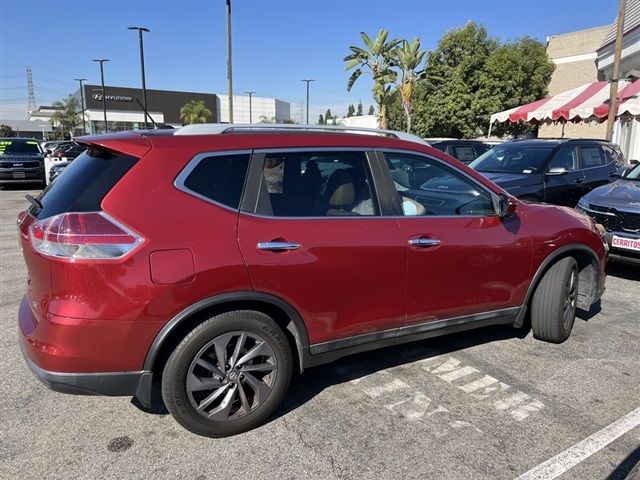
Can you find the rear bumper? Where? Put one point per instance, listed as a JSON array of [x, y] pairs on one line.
[[41, 357]]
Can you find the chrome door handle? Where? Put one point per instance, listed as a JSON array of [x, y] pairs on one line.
[[277, 246], [424, 242]]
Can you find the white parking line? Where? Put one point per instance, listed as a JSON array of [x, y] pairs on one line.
[[556, 466]]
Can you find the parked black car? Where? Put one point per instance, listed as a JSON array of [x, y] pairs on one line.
[[552, 171], [464, 150], [617, 207], [21, 161]]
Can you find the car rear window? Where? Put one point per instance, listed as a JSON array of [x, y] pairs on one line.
[[82, 186]]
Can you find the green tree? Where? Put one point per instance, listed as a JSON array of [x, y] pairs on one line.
[[194, 111], [66, 117], [328, 117], [6, 131], [378, 59], [351, 111], [320, 120], [515, 74], [407, 57], [371, 110], [359, 109]]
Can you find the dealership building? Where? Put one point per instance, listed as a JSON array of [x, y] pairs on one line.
[[125, 111]]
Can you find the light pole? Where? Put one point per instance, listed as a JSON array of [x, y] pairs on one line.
[[307, 80], [144, 85], [229, 73], [250, 93], [84, 123], [104, 93]]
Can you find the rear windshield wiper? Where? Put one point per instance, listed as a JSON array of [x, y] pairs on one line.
[[33, 201]]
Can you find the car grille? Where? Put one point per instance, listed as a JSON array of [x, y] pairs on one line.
[[622, 221], [30, 164]]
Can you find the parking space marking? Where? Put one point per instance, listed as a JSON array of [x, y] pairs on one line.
[[556, 466], [519, 404], [392, 386]]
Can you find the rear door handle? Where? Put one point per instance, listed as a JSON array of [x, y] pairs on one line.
[[424, 242], [278, 246]]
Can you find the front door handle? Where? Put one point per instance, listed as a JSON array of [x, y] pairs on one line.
[[424, 242], [278, 246]]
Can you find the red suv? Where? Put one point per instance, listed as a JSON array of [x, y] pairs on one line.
[[218, 259]]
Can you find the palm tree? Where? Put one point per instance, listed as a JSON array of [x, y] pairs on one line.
[[194, 111], [407, 57], [66, 117], [378, 58]]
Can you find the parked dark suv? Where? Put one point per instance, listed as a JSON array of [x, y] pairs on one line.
[[21, 161], [464, 150], [617, 207], [220, 258], [552, 171]]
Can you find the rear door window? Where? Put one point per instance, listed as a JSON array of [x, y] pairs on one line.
[[565, 157], [316, 184], [592, 157]]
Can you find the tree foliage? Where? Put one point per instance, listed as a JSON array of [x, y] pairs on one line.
[[468, 77], [195, 111], [378, 59], [372, 110], [6, 131], [407, 57], [351, 111], [66, 117], [359, 109], [320, 120]]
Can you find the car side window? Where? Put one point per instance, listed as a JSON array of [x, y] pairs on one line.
[[218, 177], [612, 155], [316, 184], [464, 153], [592, 157], [565, 157], [426, 187]]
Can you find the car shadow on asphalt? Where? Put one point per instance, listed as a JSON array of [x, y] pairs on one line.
[[623, 270], [305, 387], [627, 465]]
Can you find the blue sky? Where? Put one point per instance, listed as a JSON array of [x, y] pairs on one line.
[[275, 42]]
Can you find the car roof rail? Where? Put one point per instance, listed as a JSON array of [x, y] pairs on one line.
[[222, 128]]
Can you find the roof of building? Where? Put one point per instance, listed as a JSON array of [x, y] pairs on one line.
[[27, 125], [631, 22]]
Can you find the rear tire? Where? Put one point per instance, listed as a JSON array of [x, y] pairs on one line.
[[228, 375], [553, 307]]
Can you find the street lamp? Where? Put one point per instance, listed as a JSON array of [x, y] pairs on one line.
[[250, 93], [104, 93], [229, 63], [308, 80], [144, 86], [84, 123]]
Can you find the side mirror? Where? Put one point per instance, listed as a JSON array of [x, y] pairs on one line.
[[633, 161], [507, 205], [48, 151], [557, 171], [615, 175]]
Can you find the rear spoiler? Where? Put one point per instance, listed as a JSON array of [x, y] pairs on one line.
[[128, 143]]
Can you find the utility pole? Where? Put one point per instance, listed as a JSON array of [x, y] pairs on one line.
[[229, 69], [613, 93], [307, 80], [144, 84], [104, 93], [250, 93], [84, 122]]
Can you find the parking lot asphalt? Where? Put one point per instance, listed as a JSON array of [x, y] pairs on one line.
[[488, 404]]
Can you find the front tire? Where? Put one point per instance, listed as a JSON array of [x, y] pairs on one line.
[[553, 307], [228, 375]]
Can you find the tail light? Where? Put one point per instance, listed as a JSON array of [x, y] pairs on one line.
[[83, 236]]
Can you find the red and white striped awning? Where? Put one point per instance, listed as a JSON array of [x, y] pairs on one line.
[[588, 102]]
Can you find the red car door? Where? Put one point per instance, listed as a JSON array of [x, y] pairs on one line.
[[462, 259], [315, 239]]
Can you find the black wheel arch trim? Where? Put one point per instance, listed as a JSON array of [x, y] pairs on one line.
[[552, 257], [296, 326]]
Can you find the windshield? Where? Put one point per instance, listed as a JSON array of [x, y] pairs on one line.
[[19, 147], [512, 159], [633, 174]]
